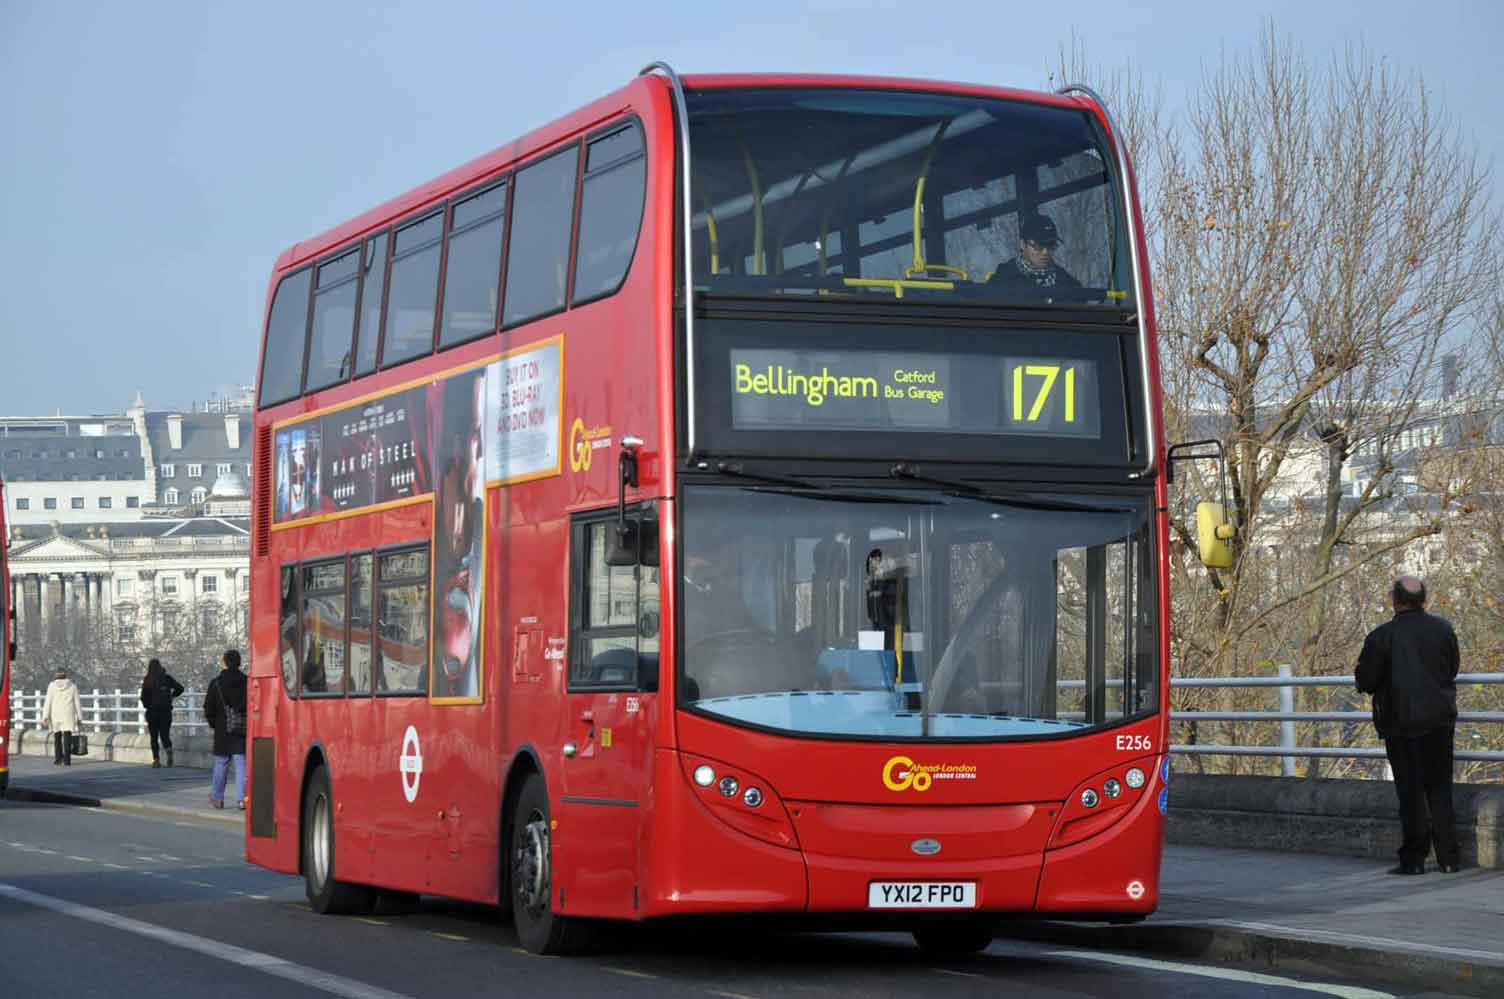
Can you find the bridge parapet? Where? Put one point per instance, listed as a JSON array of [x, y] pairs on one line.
[[1352, 818]]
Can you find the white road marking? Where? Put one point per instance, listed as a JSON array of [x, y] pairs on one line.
[[1226, 974], [81, 860], [266, 963], [958, 974], [1367, 942], [630, 973]]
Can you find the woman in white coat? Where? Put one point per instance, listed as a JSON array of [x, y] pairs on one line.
[[61, 712]]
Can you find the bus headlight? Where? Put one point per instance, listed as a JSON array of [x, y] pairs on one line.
[[704, 775], [1112, 788], [729, 786], [1135, 778], [1089, 798], [752, 796]]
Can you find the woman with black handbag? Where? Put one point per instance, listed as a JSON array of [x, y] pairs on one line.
[[157, 691], [62, 712]]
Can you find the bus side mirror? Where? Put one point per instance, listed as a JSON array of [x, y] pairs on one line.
[[632, 542], [1214, 536]]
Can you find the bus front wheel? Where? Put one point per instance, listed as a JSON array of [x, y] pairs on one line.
[[325, 894], [539, 928]]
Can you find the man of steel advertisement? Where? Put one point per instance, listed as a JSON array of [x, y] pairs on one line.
[[458, 407], [354, 458]]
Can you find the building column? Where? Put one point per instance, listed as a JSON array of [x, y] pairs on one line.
[[69, 588], [17, 598]]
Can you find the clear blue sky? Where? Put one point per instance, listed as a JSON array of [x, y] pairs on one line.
[[155, 157]]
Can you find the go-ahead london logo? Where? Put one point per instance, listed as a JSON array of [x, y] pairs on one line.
[[903, 774]]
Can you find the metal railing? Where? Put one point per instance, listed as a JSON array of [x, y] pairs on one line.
[[1288, 749], [120, 710], [1287, 716], [110, 711]]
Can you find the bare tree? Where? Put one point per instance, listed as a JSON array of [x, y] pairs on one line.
[[1321, 237]]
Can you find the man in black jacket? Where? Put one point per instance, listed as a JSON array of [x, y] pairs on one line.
[[224, 710], [1409, 665]]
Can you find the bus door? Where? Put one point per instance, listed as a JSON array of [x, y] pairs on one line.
[[613, 677]]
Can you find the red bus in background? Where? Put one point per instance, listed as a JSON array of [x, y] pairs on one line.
[[7, 646], [841, 591]]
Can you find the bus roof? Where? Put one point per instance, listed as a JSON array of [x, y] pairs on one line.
[[634, 93]]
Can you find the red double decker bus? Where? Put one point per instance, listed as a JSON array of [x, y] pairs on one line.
[[7, 647], [745, 494]]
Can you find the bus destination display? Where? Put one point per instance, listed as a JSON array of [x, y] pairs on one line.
[[774, 389]]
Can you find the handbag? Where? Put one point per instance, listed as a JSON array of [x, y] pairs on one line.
[[78, 744]]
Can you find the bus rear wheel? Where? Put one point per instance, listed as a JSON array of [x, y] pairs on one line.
[[539, 929], [951, 940], [325, 894]]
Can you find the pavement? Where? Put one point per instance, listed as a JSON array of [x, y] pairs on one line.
[[1263, 909], [171, 792]]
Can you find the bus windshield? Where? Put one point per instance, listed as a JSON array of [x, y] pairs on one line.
[[904, 195], [913, 614]]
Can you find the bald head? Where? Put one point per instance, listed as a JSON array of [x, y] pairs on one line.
[[1409, 593]]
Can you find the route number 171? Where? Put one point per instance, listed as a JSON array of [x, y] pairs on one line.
[[1048, 374]]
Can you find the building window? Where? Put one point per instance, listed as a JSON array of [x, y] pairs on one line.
[[132, 502], [125, 624], [209, 583], [248, 469], [106, 503], [170, 497], [99, 452], [198, 495], [49, 503], [195, 471], [70, 453], [169, 586], [22, 503], [168, 471], [76, 502], [223, 468], [122, 453], [245, 582], [125, 587]]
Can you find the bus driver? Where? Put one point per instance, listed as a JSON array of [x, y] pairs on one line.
[[1033, 275]]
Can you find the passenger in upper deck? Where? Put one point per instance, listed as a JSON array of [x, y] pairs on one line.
[[1033, 275]]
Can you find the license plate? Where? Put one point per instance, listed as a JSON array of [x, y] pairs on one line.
[[922, 895]]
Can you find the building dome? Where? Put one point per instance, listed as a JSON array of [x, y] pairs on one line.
[[230, 486]]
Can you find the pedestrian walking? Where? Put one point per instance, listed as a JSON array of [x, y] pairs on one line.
[[61, 712], [224, 709], [158, 689], [1409, 665]]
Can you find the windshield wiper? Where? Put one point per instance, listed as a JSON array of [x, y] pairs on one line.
[[970, 490], [815, 492], [736, 469]]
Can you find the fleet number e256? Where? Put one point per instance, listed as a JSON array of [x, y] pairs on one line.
[[1135, 743]]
